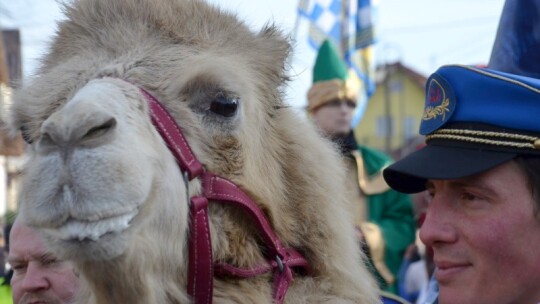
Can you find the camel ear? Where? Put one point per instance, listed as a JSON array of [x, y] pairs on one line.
[[276, 50]]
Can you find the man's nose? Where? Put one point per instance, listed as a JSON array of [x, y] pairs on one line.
[[437, 227], [35, 278]]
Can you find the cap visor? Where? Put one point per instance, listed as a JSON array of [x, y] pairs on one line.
[[409, 175]]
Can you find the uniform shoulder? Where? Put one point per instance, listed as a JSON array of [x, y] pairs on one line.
[[388, 298]]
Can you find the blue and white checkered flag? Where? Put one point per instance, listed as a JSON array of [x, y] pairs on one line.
[[325, 20], [350, 27]]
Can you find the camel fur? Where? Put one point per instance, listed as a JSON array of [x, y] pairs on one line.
[[103, 189]]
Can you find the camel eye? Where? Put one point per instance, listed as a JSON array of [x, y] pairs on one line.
[[224, 106]]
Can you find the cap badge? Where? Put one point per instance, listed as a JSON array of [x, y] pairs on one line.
[[439, 106], [437, 100]]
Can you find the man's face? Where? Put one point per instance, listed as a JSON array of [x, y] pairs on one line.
[[39, 277], [485, 238], [334, 118]]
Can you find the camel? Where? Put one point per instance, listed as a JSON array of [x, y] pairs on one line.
[[106, 190]]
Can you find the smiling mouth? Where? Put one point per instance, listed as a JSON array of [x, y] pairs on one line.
[[447, 272], [80, 230]]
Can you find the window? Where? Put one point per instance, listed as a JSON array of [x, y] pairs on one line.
[[385, 126], [409, 127]]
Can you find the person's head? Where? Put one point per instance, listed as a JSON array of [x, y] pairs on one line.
[[332, 97], [481, 166], [38, 276]]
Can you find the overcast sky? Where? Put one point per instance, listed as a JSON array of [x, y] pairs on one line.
[[423, 34]]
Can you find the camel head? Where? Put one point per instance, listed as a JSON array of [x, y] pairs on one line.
[[93, 170], [98, 169], [104, 190]]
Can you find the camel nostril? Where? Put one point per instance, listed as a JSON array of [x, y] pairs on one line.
[[50, 135], [100, 130], [26, 135]]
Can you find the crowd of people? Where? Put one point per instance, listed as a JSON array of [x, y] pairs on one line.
[[478, 181], [477, 178], [474, 184], [457, 221]]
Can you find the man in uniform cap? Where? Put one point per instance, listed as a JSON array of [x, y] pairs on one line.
[[481, 166], [384, 217]]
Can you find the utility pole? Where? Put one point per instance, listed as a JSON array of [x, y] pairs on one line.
[[387, 110]]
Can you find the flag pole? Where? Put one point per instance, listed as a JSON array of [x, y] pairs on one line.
[[298, 16], [344, 27]]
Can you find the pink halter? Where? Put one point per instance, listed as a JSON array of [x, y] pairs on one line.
[[202, 268]]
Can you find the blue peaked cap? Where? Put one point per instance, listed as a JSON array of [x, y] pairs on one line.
[[474, 119], [468, 94]]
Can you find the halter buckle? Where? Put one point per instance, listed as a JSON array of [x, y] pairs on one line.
[[279, 264]]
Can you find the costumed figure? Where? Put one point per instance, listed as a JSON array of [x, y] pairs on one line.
[[383, 217]]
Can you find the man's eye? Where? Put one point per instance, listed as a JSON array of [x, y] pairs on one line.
[[18, 268], [468, 196], [428, 195], [49, 262], [335, 103]]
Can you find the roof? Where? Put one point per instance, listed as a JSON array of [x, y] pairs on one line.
[[417, 78]]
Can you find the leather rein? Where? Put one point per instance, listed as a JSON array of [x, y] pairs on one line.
[[201, 267]]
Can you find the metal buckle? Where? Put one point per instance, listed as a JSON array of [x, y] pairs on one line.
[[279, 264], [186, 184]]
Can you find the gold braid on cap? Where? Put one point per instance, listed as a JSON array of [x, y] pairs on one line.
[[481, 137], [323, 92]]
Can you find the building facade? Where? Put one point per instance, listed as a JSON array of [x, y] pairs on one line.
[[392, 116]]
